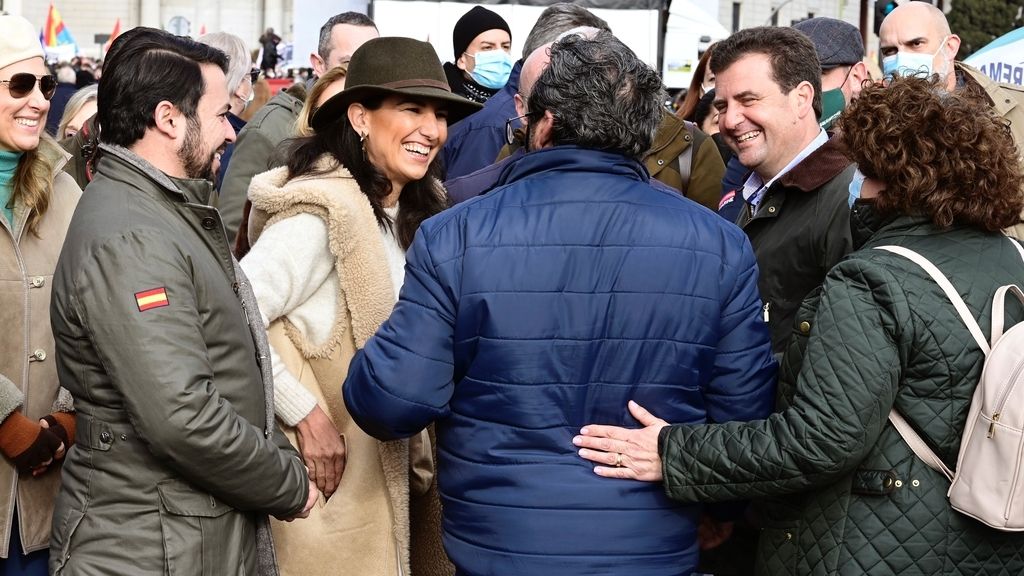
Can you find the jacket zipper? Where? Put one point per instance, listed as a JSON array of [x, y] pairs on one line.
[[765, 310], [1003, 395]]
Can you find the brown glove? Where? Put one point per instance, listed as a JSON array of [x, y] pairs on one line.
[[26, 443], [63, 425]]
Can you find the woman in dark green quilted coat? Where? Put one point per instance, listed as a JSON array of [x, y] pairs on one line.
[[841, 492]]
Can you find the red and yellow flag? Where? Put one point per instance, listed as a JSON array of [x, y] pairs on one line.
[[54, 31], [149, 299]]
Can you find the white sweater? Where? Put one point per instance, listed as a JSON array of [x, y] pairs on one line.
[[292, 272]]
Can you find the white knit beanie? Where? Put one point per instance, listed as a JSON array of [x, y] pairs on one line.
[[19, 40]]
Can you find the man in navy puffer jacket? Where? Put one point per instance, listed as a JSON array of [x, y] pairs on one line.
[[570, 288]]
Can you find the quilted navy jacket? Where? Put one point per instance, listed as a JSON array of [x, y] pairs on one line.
[[571, 288]]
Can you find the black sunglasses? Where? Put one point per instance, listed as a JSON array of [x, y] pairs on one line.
[[22, 84], [254, 75]]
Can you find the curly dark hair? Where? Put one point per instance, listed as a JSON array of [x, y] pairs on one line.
[[942, 154]]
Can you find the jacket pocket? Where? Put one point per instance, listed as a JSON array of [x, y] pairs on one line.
[[777, 551], [202, 535], [60, 542]]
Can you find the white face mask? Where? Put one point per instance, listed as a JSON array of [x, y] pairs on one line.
[[914, 63]]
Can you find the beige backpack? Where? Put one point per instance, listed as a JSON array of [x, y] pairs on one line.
[[988, 484]]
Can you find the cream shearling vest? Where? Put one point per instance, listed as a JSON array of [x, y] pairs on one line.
[[364, 299]]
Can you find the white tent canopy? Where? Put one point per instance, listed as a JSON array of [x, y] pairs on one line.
[[687, 24], [1003, 58]]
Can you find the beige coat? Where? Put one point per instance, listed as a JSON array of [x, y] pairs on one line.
[[365, 526], [27, 262], [1008, 101]]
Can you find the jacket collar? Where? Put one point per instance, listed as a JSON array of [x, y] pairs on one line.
[[512, 86], [192, 190], [54, 154], [817, 169], [571, 159], [999, 95], [671, 129], [285, 100], [236, 122], [867, 225]]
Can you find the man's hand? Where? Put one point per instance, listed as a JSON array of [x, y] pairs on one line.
[[311, 499], [322, 449], [712, 533]]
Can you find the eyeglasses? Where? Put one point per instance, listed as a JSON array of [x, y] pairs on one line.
[[21, 85], [254, 75], [510, 134]]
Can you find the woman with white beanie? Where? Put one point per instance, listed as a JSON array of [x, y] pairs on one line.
[[37, 200]]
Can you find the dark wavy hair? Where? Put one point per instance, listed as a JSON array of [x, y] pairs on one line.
[[942, 154], [144, 67], [601, 95], [791, 53], [420, 199]]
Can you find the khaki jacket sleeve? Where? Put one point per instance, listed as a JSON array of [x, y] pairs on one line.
[[252, 155], [157, 362]]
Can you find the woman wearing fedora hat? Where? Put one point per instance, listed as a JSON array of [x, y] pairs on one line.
[[36, 203], [329, 233]]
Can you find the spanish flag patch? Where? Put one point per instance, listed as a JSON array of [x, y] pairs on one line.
[[149, 299]]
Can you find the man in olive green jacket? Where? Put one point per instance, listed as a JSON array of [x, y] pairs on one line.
[[177, 460], [256, 152]]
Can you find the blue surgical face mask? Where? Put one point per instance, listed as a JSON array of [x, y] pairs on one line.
[[492, 68], [855, 186], [914, 63]]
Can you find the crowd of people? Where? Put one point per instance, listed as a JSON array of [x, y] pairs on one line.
[[504, 315]]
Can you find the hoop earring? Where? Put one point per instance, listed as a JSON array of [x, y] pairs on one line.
[[362, 144]]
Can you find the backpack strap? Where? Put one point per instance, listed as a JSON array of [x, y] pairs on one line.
[[999, 301], [999, 309], [947, 287], [1017, 245], [918, 445], [685, 159], [911, 437]]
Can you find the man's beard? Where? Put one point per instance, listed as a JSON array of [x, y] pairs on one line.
[[191, 153], [531, 128]]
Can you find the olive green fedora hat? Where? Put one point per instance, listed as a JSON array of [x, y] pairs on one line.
[[389, 66]]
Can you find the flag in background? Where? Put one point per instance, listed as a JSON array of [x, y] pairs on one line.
[[113, 36], [55, 33]]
